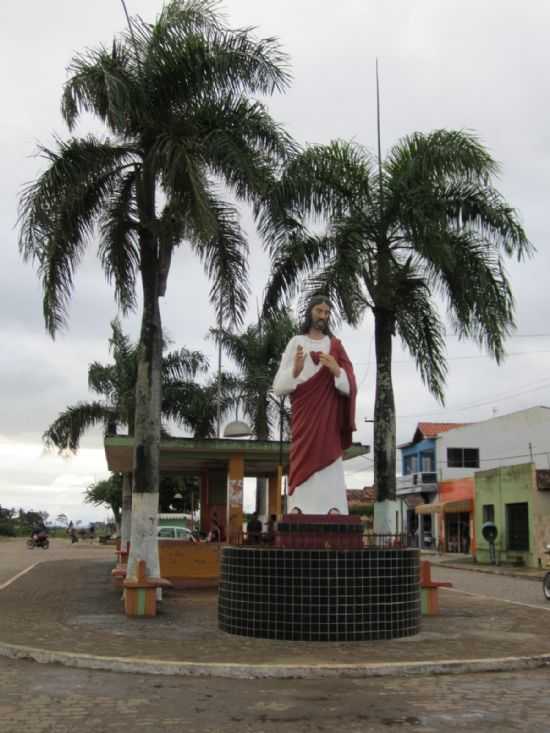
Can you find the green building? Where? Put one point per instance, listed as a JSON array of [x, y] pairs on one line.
[[517, 500]]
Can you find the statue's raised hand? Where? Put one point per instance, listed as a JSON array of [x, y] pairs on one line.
[[299, 357]]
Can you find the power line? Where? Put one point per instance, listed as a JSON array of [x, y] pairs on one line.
[[468, 357], [499, 397]]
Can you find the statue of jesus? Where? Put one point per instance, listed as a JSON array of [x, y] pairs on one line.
[[317, 373]]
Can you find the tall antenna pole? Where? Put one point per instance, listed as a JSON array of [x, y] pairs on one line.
[[128, 20], [378, 131]]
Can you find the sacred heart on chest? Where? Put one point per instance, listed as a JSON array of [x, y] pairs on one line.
[[315, 356]]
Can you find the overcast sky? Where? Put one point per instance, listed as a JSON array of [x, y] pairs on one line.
[[465, 64]]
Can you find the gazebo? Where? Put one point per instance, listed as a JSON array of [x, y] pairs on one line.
[[221, 464]]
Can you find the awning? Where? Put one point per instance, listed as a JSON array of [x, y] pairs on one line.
[[446, 507]]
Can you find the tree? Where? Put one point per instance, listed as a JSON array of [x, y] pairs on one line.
[[109, 492], [7, 522], [257, 353], [426, 223], [116, 383], [174, 96]]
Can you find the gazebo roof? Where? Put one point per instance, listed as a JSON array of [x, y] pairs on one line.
[[193, 455]]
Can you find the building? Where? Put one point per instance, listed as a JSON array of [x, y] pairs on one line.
[[453, 515], [461, 453], [417, 486], [359, 498], [504, 440], [517, 500]]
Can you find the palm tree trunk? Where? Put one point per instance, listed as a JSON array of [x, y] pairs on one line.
[[261, 430], [384, 407], [126, 511], [145, 498]]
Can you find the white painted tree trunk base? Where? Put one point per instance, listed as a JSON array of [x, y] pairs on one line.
[[387, 517], [143, 539]]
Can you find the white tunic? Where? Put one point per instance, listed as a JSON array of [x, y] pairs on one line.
[[326, 488]]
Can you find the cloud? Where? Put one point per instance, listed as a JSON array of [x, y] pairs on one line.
[[458, 65]]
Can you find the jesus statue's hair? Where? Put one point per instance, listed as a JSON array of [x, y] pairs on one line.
[[307, 320]]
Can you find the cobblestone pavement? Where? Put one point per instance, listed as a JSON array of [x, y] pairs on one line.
[[71, 606], [51, 699], [517, 589]]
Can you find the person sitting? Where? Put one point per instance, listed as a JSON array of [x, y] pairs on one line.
[[215, 534], [271, 526], [253, 530]]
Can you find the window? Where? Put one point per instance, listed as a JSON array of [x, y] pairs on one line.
[[463, 457], [427, 460], [517, 523], [410, 465], [488, 513], [166, 533]]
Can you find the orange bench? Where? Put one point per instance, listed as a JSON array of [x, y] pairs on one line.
[[429, 596]]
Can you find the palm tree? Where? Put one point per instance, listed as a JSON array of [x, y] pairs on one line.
[[174, 96], [257, 353], [195, 406], [424, 224], [116, 384]]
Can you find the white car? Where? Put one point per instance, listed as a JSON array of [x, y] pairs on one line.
[[174, 533]]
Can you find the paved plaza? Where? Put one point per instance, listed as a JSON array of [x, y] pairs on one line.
[[65, 604]]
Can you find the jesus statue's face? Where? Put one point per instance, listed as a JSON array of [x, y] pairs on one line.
[[319, 316]]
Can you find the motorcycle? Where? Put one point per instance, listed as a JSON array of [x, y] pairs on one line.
[[546, 579], [38, 540]]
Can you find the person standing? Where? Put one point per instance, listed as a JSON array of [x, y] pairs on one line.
[[318, 374]]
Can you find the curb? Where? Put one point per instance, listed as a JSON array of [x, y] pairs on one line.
[[135, 665], [470, 569]]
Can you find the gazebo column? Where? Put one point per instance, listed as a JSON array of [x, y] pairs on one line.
[[235, 486], [205, 509], [275, 501]]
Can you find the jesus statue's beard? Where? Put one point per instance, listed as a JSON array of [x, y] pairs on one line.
[[321, 325]]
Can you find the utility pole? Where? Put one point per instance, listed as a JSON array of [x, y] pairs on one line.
[[219, 406]]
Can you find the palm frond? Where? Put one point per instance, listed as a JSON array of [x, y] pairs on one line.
[[225, 259], [188, 52], [328, 180], [481, 304], [105, 83], [102, 379], [118, 246], [421, 330], [300, 257], [439, 154], [241, 143], [58, 211], [324, 183], [482, 209], [184, 178], [183, 364], [67, 429]]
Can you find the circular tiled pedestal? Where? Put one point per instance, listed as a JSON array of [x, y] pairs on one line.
[[320, 595]]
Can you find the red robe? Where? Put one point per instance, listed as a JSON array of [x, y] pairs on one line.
[[323, 420]]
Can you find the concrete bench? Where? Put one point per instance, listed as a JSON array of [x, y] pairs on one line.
[[429, 595], [140, 593]]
